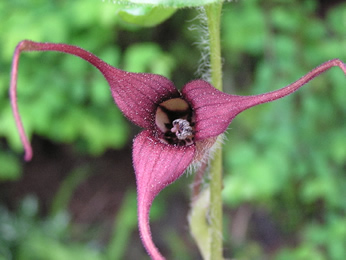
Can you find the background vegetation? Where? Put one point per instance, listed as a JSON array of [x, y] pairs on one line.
[[285, 162]]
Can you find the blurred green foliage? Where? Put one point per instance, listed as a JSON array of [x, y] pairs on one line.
[[287, 158], [26, 236], [75, 105], [168, 3]]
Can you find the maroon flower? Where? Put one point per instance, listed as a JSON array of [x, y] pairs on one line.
[[180, 127]]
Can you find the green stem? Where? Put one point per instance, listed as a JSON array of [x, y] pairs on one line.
[[213, 13], [216, 206]]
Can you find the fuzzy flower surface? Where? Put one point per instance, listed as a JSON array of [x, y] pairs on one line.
[[179, 126]]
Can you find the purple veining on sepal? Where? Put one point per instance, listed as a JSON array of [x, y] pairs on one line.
[[180, 127], [215, 110], [156, 165]]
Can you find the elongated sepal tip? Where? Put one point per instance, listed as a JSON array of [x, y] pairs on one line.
[[28, 155]]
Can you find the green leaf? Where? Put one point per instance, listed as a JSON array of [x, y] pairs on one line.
[[125, 224], [145, 16], [148, 57], [169, 3], [198, 222]]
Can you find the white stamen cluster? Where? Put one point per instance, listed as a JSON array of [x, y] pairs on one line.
[[182, 129]]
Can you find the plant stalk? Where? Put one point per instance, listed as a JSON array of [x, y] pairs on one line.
[[213, 13]]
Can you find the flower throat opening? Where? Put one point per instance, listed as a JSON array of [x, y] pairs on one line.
[[174, 118]]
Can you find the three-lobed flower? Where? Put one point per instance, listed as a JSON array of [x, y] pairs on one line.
[[179, 126]]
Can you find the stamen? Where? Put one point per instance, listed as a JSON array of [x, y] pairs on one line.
[[175, 122], [182, 129]]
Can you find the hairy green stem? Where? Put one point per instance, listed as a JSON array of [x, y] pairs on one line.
[[213, 13]]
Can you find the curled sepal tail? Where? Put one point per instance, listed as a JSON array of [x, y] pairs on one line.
[[157, 165]]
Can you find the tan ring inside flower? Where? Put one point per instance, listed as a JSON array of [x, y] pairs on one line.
[[175, 121]]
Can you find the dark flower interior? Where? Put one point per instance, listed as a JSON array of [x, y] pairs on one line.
[[175, 122]]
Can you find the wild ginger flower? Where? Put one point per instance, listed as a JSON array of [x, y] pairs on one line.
[[179, 126]]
